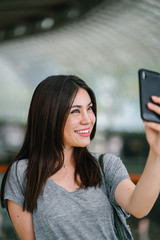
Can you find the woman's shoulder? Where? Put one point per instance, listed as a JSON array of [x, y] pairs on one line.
[[20, 164], [107, 157], [110, 161], [15, 185], [113, 166], [18, 167]]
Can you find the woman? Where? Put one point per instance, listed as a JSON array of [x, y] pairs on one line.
[[55, 188]]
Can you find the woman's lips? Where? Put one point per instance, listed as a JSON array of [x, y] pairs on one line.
[[84, 132]]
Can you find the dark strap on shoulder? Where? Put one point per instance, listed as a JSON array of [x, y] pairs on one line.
[[100, 159]]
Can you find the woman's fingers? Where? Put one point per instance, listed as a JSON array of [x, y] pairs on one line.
[[153, 125], [154, 108], [155, 99]]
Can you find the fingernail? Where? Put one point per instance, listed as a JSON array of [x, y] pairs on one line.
[[151, 105], [154, 97]]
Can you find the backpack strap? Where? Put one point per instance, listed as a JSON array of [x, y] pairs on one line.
[[100, 159]]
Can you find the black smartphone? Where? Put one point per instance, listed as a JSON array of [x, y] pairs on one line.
[[149, 85]]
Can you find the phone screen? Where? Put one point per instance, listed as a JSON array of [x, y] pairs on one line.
[[149, 83]]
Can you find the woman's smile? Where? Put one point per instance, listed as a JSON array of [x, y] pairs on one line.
[[84, 132]]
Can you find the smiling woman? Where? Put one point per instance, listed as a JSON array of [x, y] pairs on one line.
[[55, 181]]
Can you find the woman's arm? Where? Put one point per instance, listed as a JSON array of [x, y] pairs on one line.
[[22, 221], [139, 199]]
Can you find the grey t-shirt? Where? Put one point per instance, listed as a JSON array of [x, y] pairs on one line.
[[62, 215]]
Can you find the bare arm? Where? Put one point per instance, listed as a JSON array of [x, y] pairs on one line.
[[22, 221], [139, 200]]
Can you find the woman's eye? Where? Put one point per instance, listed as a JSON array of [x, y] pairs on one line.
[[75, 111], [90, 108]]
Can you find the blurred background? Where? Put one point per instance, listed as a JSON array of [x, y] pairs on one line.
[[105, 42]]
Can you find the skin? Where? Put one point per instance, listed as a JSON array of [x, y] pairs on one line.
[[22, 221], [138, 199]]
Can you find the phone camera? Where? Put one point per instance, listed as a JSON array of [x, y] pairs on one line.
[[143, 75]]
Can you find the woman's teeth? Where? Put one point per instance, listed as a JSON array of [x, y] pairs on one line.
[[84, 131]]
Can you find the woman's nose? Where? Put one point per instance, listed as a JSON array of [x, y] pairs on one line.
[[85, 118]]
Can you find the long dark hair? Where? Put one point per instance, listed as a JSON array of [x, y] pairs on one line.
[[43, 143]]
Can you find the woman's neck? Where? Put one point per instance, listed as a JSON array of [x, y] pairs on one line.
[[68, 157]]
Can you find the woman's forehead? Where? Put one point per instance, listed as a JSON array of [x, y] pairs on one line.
[[82, 97]]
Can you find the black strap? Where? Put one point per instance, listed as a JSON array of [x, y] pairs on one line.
[[117, 220], [101, 162]]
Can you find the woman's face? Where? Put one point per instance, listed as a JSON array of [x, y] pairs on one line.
[[80, 121]]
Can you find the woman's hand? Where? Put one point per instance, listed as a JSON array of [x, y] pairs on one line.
[[152, 128]]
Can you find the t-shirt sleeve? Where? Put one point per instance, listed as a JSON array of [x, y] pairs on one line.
[[16, 183], [115, 172]]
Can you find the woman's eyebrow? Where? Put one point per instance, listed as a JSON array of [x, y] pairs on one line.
[[79, 106]]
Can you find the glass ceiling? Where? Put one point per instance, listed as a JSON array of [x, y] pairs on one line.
[[106, 47]]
